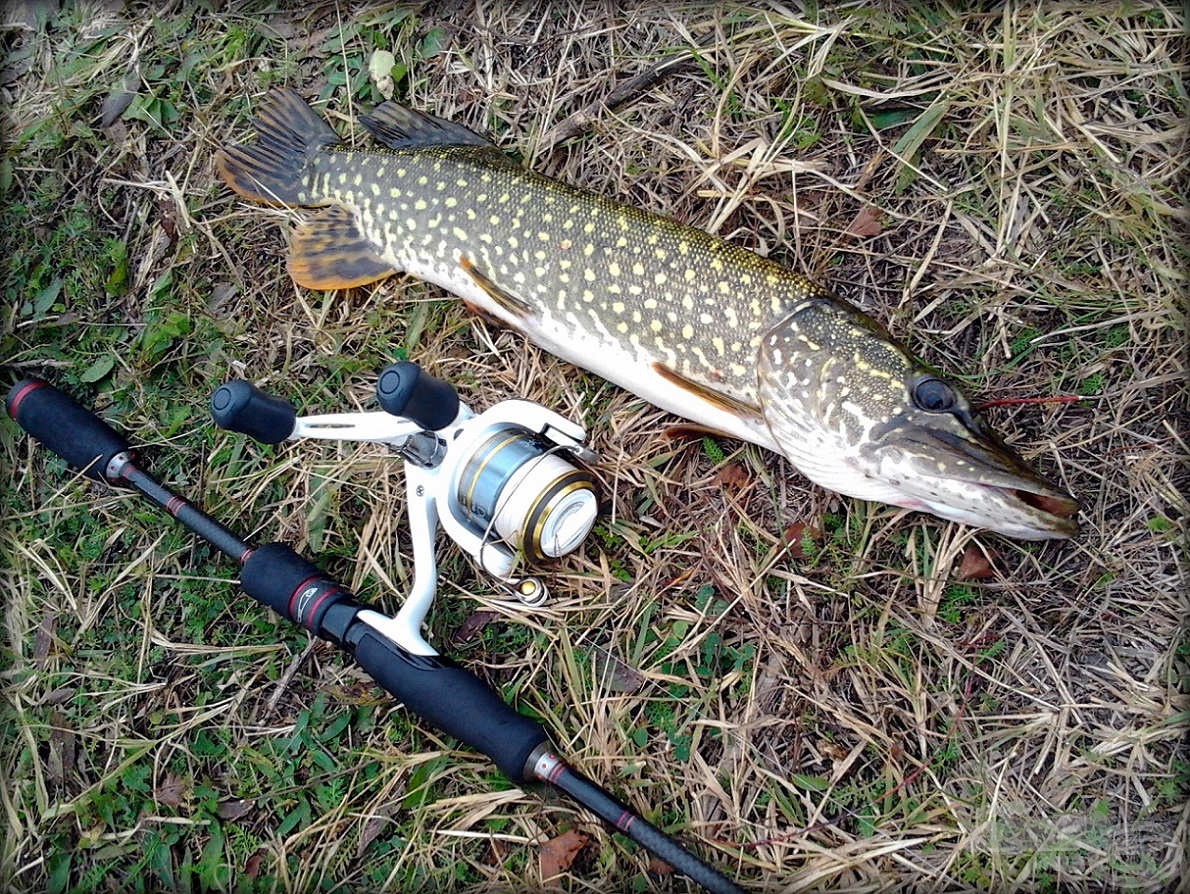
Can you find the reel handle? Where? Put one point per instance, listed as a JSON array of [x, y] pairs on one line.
[[241, 406], [405, 389], [67, 428]]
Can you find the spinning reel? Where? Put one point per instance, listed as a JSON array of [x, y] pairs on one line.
[[501, 483]]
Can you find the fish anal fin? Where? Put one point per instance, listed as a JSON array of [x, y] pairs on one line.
[[725, 402], [400, 127], [328, 251], [509, 302]]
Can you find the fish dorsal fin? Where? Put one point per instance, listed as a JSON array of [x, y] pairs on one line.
[[725, 402], [328, 251], [400, 127]]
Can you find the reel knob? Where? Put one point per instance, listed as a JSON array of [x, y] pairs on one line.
[[241, 406], [405, 389]]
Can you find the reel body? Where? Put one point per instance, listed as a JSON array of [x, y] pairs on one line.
[[505, 484]]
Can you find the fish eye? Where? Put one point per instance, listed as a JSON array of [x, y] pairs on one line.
[[933, 395]]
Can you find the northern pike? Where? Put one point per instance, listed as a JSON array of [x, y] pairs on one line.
[[697, 326]]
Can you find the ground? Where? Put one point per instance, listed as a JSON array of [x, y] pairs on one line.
[[815, 691]]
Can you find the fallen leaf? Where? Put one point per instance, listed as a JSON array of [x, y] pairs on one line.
[[115, 105], [832, 750], [975, 564], [557, 854], [474, 625], [252, 866], [234, 808], [373, 827], [866, 223], [172, 791], [61, 764], [44, 639], [732, 475], [497, 852], [657, 866], [617, 675], [801, 536]]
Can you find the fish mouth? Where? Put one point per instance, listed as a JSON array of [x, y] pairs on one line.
[[1010, 497], [1054, 515]]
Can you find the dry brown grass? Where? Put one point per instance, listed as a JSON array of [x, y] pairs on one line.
[[856, 717]]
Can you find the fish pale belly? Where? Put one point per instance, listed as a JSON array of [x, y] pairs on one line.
[[607, 357]]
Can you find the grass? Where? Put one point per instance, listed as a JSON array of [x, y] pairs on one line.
[[847, 715]]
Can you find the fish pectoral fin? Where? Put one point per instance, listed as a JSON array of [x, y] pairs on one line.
[[328, 251], [400, 127], [715, 398], [518, 307]]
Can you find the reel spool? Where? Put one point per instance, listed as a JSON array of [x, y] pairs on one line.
[[516, 486]]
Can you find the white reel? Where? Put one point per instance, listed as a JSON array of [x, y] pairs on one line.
[[502, 483]]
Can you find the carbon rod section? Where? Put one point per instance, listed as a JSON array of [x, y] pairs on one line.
[[627, 822], [186, 513]]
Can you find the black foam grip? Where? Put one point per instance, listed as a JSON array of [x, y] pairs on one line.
[[66, 427], [451, 698], [290, 585], [241, 406], [405, 389]]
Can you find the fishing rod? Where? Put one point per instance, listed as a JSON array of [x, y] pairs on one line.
[[439, 691]]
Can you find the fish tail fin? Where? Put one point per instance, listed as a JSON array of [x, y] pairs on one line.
[[270, 170]]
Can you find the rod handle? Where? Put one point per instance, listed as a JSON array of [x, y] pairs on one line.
[[241, 406], [66, 427], [452, 699], [405, 389]]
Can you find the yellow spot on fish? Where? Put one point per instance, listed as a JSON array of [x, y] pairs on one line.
[[687, 331], [451, 201], [622, 328], [638, 269], [459, 234], [460, 182], [543, 236], [621, 242], [656, 325], [589, 227], [613, 268], [394, 193], [419, 205], [660, 279], [618, 306]]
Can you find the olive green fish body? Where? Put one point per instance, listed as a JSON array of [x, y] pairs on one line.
[[695, 325]]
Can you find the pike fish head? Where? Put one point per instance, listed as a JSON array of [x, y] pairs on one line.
[[857, 413]]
